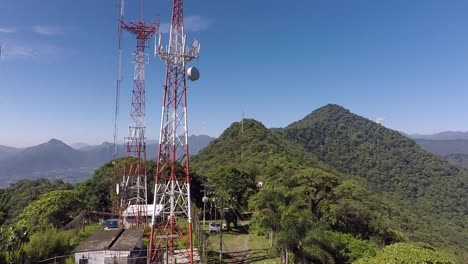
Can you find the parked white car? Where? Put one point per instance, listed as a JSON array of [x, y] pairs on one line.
[[214, 227]]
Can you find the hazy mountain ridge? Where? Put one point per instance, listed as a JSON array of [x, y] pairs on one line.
[[444, 147], [55, 159], [6, 151], [445, 135], [79, 145]]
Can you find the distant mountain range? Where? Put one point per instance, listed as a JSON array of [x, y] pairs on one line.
[[444, 147], [450, 145], [80, 145], [55, 159], [7, 151], [446, 135]]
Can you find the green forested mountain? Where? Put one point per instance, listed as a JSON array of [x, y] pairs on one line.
[[289, 170], [302, 198], [20, 194], [392, 164], [250, 146]]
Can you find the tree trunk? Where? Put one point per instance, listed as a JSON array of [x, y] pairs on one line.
[[270, 238]]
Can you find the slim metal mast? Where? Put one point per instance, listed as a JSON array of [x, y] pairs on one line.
[[116, 208], [134, 198], [171, 237], [119, 79]]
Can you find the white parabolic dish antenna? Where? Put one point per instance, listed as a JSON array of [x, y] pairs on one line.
[[193, 73]]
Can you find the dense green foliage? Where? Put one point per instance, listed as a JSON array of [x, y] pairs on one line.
[[48, 243], [460, 160], [319, 217], [20, 194], [430, 195], [337, 207], [265, 155], [55, 208], [231, 183], [317, 214], [408, 253]]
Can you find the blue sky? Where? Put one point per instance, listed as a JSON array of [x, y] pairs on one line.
[[405, 62]]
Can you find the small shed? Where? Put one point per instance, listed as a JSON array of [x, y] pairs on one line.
[[115, 246]]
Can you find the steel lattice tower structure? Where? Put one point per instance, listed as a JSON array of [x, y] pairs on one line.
[[134, 196], [169, 238]]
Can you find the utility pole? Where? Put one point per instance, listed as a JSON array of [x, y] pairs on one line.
[[221, 231], [204, 200]]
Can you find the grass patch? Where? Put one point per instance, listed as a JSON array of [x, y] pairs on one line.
[[239, 246]]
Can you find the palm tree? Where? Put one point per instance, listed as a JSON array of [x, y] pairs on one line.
[[18, 237]]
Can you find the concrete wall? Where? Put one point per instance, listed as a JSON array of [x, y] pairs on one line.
[[105, 256]]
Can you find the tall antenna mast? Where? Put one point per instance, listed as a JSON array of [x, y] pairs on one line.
[[134, 196], [119, 79], [172, 179]]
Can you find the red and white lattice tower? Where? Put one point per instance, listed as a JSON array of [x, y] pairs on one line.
[[134, 195], [171, 223]]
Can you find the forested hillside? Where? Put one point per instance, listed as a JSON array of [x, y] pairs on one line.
[[392, 164], [304, 199], [19, 195], [460, 160], [257, 150]]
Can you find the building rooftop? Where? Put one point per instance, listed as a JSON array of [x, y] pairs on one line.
[[128, 239], [116, 239], [141, 209]]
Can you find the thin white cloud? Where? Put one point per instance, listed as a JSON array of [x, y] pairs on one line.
[[191, 24], [15, 51], [47, 30], [7, 30], [21, 52], [380, 120], [196, 24]]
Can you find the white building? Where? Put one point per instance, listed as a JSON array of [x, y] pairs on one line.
[[133, 211]]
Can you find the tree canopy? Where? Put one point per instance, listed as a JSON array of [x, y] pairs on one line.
[[55, 208]]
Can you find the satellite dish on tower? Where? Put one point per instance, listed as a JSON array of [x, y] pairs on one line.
[[193, 73], [117, 189]]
